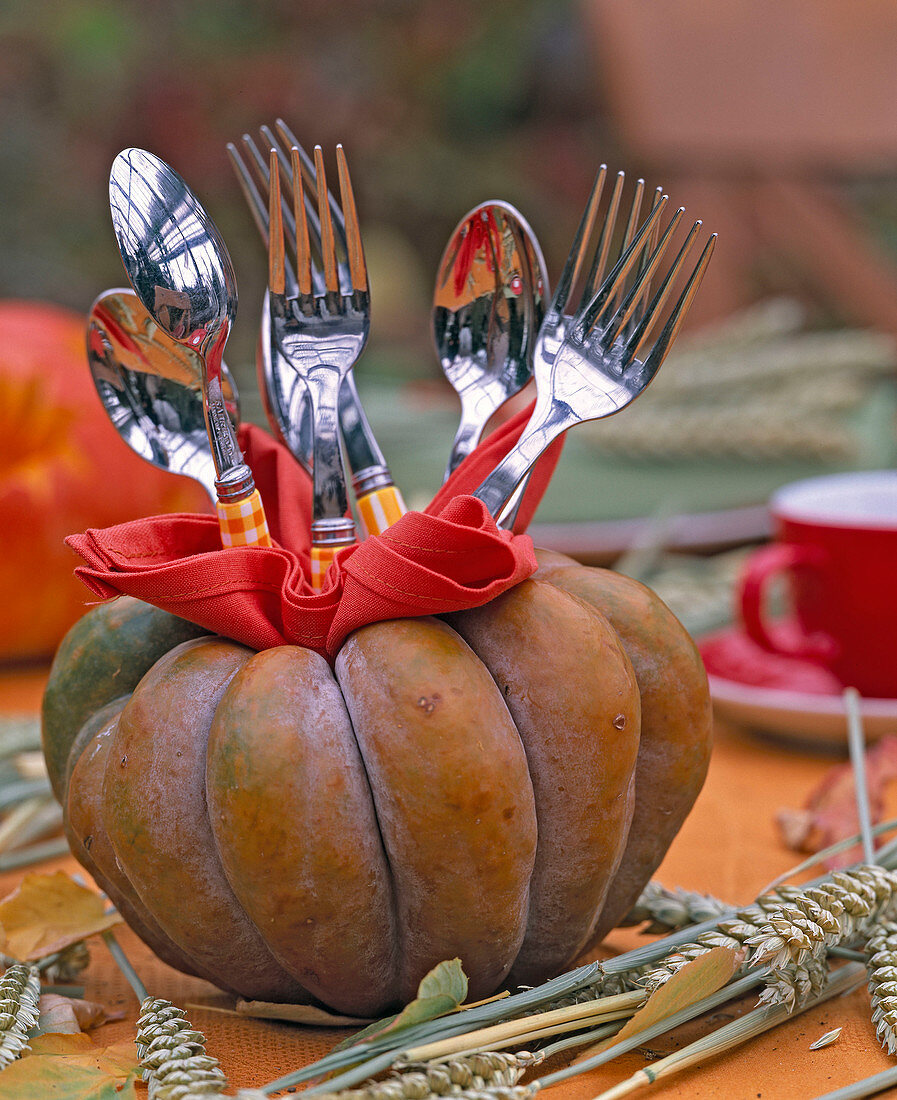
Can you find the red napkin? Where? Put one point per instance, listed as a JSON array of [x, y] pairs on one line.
[[450, 557]]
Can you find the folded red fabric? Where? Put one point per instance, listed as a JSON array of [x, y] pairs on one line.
[[447, 558]]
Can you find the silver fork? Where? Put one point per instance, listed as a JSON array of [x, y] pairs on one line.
[[590, 366], [378, 500], [554, 325], [321, 330]]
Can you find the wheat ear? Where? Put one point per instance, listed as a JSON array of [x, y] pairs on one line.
[[176, 1066], [881, 967], [19, 997]]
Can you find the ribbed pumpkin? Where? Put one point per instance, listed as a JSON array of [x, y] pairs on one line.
[[496, 785]]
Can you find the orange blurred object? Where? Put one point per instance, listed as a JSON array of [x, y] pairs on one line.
[[63, 468]]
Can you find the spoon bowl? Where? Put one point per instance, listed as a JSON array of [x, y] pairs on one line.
[[151, 387], [487, 309], [181, 271], [175, 257]]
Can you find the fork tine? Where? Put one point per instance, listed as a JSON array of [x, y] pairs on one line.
[[642, 330], [621, 317], [652, 240], [263, 174], [284, 160], [632, 224], [357, 266], [328, 249], [308, 168], [634, 211], [276, 257], [615, 280], [260, 163], [677, 316], [290, 139], [257, 206], [599, 263], [262, 167], [303, 246], [576, 255], [309, 176], [650, 245]]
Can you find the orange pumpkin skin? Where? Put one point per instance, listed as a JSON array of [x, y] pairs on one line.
[[57, 448], [453, 796], [283, 768], [92, 847], [576, 707], [461, 788], [676, 718]]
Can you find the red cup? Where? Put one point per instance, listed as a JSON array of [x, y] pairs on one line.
[[836, 542]]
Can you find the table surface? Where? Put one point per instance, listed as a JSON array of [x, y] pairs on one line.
[[729, 846]]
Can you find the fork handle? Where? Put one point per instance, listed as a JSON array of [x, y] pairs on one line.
[[242, 522], [508, 515], [544, 426]]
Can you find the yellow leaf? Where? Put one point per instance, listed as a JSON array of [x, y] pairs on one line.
[[49, 912], [70, 1067], [697, 979]]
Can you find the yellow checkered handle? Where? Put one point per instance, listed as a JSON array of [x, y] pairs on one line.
[[243, 522], [328, 536], [321, 557], [379, 509]]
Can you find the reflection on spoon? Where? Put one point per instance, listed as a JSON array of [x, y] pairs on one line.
[[180, 268], [487, 308], [151, 387]]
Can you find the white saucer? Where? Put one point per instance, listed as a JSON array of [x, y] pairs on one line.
[[782, 696]]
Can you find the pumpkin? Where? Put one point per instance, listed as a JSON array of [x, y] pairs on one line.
[[57, 447], [495, 785]]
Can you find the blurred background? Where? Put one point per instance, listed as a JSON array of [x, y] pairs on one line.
[[772, 120]]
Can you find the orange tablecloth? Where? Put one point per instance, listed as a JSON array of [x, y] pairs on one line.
[[729, 847]]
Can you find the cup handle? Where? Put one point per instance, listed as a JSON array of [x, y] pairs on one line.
[[785, 639]]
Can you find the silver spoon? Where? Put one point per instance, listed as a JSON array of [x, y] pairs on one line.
[[151, 387], [487, 309], [180, 269]]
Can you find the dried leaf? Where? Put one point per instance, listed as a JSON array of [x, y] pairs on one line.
[[297, 1014], [69, 1015], [57, 1014], [49, 912], [826, 1040], [830, 811], [697, 979], [70, 1067]]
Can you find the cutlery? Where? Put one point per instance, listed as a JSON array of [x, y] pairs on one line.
[[379, 502], [487, 307], [553, 326], [151, 387], [595, 370], [180, 269], [284, 395], [320, 329]]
